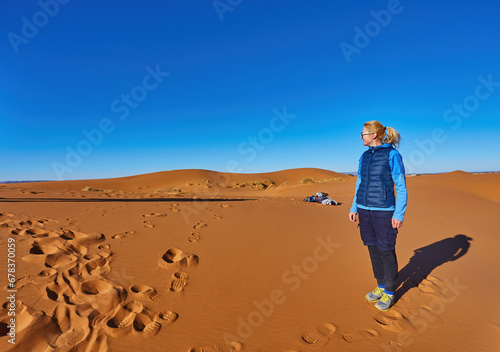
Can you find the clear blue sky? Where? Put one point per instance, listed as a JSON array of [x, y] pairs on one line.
[[93, 89]]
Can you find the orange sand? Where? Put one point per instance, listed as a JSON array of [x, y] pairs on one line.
[[194, 260]]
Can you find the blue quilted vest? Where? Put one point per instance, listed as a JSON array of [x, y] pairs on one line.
[[377, 187]]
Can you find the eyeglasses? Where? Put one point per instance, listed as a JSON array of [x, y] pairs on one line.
[[365, 133]]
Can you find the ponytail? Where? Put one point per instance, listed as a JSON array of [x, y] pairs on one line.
[[385, 134], [392, 137]]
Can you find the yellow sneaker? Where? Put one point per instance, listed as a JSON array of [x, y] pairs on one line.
[[375, 295], [385, 302]]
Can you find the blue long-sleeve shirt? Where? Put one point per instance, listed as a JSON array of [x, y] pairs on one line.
[[398, 176]]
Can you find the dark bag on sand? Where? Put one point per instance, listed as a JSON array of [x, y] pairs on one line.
[[322, 198]]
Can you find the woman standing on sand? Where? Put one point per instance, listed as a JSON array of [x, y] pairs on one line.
[[380, 213]]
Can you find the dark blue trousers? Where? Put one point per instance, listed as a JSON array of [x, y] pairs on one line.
[[379, 236]]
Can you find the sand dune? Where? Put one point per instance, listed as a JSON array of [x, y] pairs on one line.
[[187, 180], [195, 260]]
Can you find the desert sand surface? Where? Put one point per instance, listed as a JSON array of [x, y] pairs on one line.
[[195, 260]]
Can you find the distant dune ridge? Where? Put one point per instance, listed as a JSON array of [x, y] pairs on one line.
[[179, 178], [198, 260]]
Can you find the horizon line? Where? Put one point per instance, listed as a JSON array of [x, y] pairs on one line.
[[352, 173]]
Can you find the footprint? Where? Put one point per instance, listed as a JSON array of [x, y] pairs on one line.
[[145, 325], [169, 316], [178, 285], [181, 275], [175, 257], [77, 248], [62, 315], [134, 306], [121, 319], [146, 291], [194, 237], [122, 234], [174, 208], [199, 225], [42, 221], [51, 241], [322, 331], [86, 309], [25, 223], [59, 259], [91, 239], [91, 256], [97, 266], [430, 288], [41, 249], [152, 328], [154, 215], [71, 338], [361, 335], [95, 287], [26, 280], [125, 316], [34, 232], [148, 224], [179, 281], [68, 288], [56, 291], [105, 252], [73, 235], [221, 347], [393, 320], [15, 231], [397, 346], [5, 224], [44, 277], [217, 217]]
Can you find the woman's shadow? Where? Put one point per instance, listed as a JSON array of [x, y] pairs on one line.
[[427, 258]]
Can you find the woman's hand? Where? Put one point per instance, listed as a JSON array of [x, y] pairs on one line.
[[352, 216], [396, 224]]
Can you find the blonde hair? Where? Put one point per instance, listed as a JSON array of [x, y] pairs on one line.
[[384, 134]]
